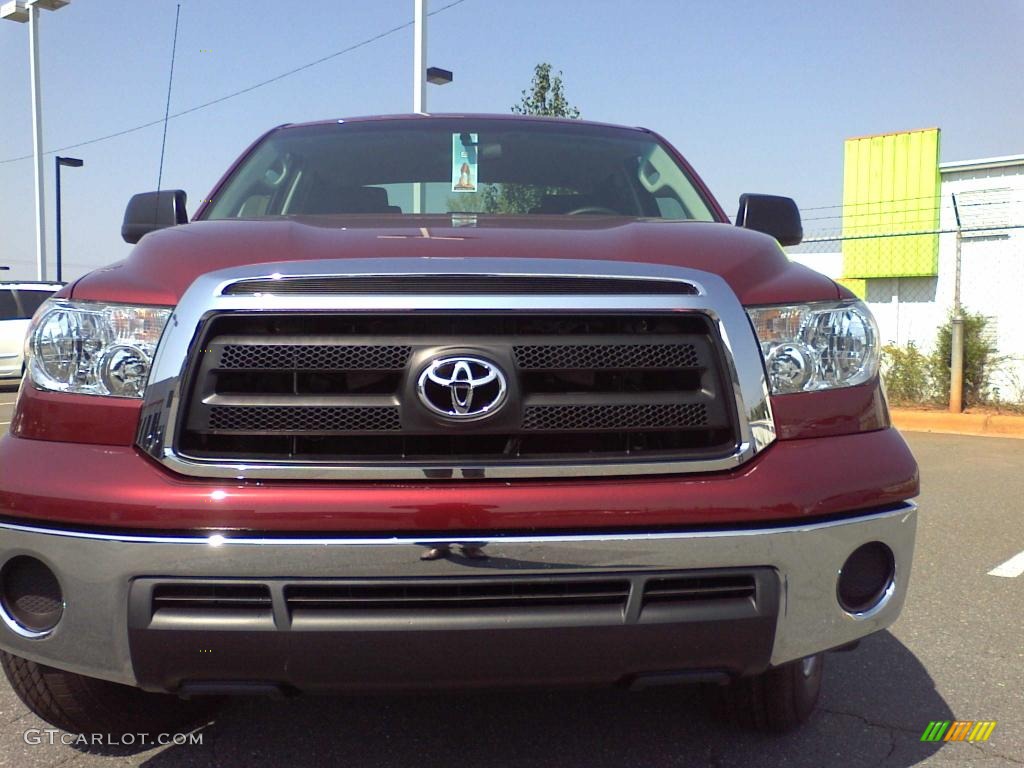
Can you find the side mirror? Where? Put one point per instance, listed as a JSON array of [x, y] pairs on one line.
[[150, 211], [773, 215]]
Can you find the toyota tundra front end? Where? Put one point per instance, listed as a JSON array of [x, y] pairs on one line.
[[419, 402]]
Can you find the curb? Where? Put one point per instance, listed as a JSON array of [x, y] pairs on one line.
[[981, 424]]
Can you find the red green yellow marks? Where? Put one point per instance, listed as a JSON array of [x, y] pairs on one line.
[[958, 730]]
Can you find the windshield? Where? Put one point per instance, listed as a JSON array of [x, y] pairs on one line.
[[459, 166]]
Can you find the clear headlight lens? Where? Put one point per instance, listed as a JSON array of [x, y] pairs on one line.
[[807, 347], [93, 348]]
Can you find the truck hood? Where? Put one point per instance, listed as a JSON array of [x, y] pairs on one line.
[[164, 263]]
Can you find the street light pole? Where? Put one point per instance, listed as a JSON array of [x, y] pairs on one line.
[[56, 162], [22, 11], [419, 85], [419, 57], [17, 10], [70, 162], [37, 140], [420, 76]]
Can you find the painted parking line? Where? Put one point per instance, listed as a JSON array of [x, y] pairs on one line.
[[1011, 569]]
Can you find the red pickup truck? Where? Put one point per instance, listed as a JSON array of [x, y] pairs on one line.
[[428, 401]]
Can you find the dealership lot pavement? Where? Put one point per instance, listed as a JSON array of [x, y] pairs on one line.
[[956, 653], [8, 392]]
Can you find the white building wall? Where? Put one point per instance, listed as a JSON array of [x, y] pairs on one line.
[[992, 263]]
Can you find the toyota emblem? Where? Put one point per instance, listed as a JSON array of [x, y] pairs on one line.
[[462, 388]]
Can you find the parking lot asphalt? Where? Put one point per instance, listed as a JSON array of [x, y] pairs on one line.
[[956, 653], [8, 393]]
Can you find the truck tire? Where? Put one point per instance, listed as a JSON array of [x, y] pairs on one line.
[[777, 700], [80, 704]]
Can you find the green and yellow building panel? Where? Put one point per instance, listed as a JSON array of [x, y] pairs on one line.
[[891, 188]]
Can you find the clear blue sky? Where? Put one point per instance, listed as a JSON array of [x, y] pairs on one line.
[[758, 95]]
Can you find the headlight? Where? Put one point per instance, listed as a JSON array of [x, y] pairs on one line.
[[824, 345], [92, 348]]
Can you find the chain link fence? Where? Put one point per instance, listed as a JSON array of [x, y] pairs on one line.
[[930, 268]]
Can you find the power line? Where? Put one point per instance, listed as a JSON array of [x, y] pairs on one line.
[[868, 202], [942, 206], [241, 91], [882, 235]]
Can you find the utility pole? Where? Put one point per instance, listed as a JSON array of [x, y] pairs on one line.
[[956, 370]]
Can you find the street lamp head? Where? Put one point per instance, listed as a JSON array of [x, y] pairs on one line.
[[15, 10], [439, 76], [70, 162], [49, 5]]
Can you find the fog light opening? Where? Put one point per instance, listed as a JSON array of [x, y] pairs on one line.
[[31, 600], [867, 579]]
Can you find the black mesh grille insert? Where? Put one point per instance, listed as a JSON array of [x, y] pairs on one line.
[[558, 418], [304, 419], [598, 356], [323, 357], [334, 388]]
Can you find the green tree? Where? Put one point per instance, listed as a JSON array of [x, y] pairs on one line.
[[545, 97]]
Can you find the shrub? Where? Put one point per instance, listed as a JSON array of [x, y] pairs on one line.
[[907, 374]]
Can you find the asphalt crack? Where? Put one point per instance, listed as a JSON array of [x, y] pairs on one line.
[[69, 758], [890, 730], [22, 716], [988, 752], [873, 723]]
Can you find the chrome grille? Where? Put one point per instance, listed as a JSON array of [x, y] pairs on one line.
[[455, 285], [455, 303]]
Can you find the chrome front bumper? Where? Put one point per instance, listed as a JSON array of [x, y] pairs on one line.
[[96, 571]]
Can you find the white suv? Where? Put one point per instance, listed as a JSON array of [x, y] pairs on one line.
[[18, 302]]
